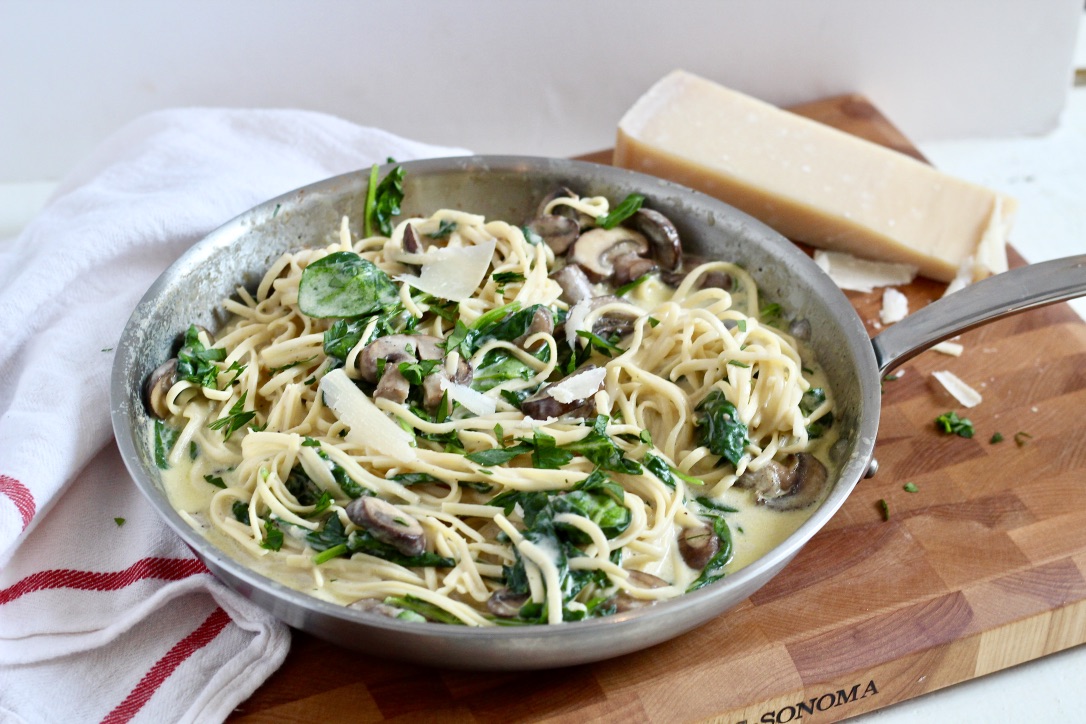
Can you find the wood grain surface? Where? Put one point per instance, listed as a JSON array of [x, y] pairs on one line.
[[982, 568]]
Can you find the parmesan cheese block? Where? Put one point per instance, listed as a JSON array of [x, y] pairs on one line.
[[813, 183]]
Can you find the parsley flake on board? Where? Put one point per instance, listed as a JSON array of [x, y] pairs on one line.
[[951, 424], [910, 487]]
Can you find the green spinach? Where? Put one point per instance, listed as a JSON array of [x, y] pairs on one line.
[[719, 427], [196, 363], [714, 569], [343, 284], [383, 200]]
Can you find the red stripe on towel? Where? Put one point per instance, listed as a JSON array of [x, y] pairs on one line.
[[21, 496], [164, 667], [167, 569]]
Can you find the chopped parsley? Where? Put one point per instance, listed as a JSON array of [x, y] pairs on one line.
[[215, 480], [445, 227], [237, 418], [273, 537], [951, 424], [507, 277], [996, 438], [196, 363], [620, 213], [910, 487]]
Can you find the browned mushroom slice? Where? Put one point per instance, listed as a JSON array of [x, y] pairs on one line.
[[506, 604], [432, 391], [631, 266], [709, 280], [612, 321], [559, 232], [596, 250], [411, 242], [542, 321], [561, 210], [698, 545], [667, 248], [397, 348], [623, 601], [574, 282], [388, 524], [797, 483], [157, 385], [544, 405]]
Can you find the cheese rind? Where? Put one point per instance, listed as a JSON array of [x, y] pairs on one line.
[[813, 183]]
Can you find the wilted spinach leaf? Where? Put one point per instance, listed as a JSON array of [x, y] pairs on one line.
[[343, 284], [713, 570], [719, 427]]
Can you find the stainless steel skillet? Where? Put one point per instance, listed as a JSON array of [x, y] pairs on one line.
[[192, 289]]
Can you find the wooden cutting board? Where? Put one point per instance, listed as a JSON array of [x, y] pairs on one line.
[[982, 568]]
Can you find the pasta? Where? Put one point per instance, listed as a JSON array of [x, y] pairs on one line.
[[475, 422]]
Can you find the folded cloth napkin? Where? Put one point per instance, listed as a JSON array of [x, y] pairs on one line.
[[105, 615]]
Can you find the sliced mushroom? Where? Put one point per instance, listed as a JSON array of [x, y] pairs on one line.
[[561, 210], [792, 485], [623, 601], [542, 405], [710, 280], [698, 545], [542, 321], [614, 320], [432, 391], [506, 604], [559, 232], [411, 242], [574, 282], [388, 524], [667, 248], [631, 266], [157, 385], [397, 348], [596, 250]]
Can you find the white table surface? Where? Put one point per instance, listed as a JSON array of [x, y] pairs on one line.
[[1048, 176]]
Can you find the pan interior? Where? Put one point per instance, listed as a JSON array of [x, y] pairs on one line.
[[237, 254]]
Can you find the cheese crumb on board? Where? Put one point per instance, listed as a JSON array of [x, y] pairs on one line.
[[959, 390], [813, 183], [952, 349], [895, 306]]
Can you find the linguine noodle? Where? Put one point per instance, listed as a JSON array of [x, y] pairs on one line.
[[274, 482]]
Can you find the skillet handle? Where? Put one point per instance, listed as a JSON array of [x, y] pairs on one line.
[[999, 296]]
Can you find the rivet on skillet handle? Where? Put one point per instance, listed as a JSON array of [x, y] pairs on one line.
[[986, 301]]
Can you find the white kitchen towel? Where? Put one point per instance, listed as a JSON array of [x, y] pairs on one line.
[[105, 615]]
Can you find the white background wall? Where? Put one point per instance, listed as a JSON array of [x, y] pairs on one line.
[[547, 78]]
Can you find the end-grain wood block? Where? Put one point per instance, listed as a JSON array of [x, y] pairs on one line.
[[982, 568]]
